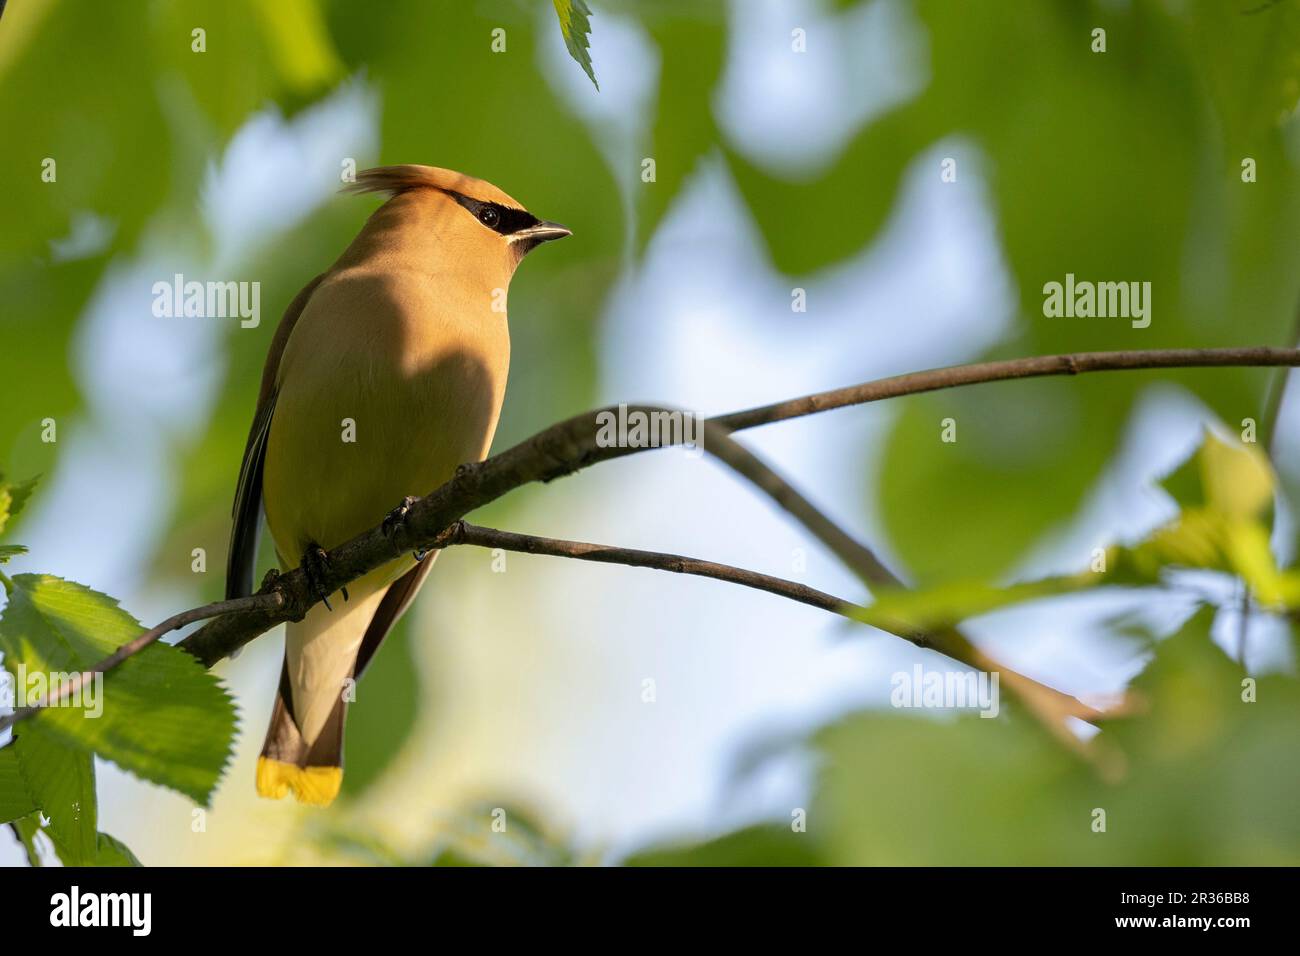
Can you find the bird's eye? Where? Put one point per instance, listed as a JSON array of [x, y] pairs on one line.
[[489, 216]]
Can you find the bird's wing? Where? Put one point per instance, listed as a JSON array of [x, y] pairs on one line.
[[242, 558]]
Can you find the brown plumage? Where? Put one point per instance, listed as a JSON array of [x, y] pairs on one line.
[[386, 372]]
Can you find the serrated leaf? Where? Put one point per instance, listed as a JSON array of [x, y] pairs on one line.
[[61, 780], [160, 716], [8, 551], [15, 799], [575, 24]]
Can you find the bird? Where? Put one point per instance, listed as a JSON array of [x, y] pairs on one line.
[[385, 374]]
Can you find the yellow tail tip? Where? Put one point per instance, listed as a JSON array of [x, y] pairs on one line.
[[315, 785]]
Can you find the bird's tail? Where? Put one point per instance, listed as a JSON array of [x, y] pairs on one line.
[[303, 752]]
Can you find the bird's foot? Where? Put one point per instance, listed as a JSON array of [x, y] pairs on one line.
[[315, 564], [395, 519]]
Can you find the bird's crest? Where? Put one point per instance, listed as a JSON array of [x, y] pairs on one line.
[[395, 180]]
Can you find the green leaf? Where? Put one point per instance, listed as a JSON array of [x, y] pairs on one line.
[[61, 780], [26, 830], [18, 496], [298, 44], [575, 24], [15, 799], [1225, 490], [161, 715], [9, 551], [113, 852], [109, 851], [792, 212], [943, 605], [13, 498], [1233, 478]]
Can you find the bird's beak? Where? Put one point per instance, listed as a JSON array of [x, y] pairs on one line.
[[542, 232]]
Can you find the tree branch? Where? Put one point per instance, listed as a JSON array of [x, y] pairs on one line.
[[464, 533], [572, 445], [1037, 366]]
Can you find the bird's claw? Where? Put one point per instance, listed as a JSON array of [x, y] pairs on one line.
[[315, 564], [395, 518]]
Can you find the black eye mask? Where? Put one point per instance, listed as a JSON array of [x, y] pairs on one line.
[[498, 218]]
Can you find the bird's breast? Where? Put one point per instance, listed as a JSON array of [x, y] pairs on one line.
[[387, 384]]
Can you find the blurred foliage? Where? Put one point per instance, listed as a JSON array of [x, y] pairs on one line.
[[1123, 165], [759, 845], [1210, 779], [1225, 494], [478, 835]]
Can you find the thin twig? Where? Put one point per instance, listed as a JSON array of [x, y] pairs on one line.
[[255, 602], [1050, 705], [464, 533], [856, 556], [1037, 366]]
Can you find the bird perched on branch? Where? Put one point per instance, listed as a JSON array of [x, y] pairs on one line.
[[386, 373]]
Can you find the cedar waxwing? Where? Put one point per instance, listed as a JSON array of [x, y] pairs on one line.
[[385, 374]]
